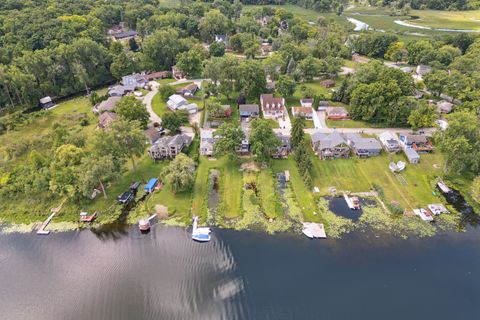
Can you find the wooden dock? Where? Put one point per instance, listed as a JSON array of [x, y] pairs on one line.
[[42, 230]]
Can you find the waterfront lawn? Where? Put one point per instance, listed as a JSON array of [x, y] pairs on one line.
[[359, 175], [231, 184], [268, 194], [303, 196]]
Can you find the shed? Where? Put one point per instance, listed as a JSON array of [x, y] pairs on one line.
[[152, 183], [327, 83], [412, 155], [46, 102]]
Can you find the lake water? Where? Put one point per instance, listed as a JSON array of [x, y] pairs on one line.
[[238, 275]]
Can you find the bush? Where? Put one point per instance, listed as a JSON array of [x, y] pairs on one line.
[[166, 91]]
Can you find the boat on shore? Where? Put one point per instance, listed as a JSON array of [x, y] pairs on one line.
[[144, 225], [443, 187], [423, 214], [85, 217]]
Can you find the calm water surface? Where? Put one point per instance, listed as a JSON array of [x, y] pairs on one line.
[[238, 275]]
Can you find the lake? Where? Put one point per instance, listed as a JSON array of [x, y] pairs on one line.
[[238, 275]]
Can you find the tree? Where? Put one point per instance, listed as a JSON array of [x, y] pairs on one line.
[[460, 143], [303, 161], [214, 22], [298, 135], [476, 189], [161, 48], [217, 49], [436, 81], [190, 62], [122, 65], [171, 122], [230, 137], [166, 91], [95, 171], [179, 173], [309, 67], [423, 117], [250, 78], [63, 168], [285, 85], [130, 108], [396, 52], [123, 140], [263, 140]]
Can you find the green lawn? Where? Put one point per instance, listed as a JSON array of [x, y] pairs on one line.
[[303, 195], [269, 198], [231, 188], [358, 175], [347, 124], [159, 106]]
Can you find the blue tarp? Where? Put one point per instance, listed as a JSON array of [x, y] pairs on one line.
[[151, 185]]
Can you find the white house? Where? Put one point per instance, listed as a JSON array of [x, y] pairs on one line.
[[175, 101]]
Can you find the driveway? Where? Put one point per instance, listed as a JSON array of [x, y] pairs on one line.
[[147, 100]]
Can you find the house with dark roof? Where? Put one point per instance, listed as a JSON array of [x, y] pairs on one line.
[[168, 147], [106, 105], [272, 108], [284, 148], [328, 83], [125, 35], [330, 146], [106, 119], [363, 147], [417, 142], [337, 113], [189, 90], [153, 134], [120, 90], [249, 110], [156, 75]]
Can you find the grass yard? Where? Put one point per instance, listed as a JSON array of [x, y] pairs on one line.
[[231, 189], [347, 124], [358, 175], [269, 198], [303, 196]]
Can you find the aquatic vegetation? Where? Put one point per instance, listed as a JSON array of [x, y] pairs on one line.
[[335, 225], [251, 213]]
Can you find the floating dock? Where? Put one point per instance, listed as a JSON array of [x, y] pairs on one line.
[[314, 230]]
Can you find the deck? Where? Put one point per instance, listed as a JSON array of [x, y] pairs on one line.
[[314, 230]]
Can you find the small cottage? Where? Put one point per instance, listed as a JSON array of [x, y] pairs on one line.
[[303, 112], [46, 103], [207, 142], [106, 105], [106, 119], [337, 113], [417, 142], [389, 141], [284, 148], [412, 156], [327, 83], [249, 110], [444, 106]]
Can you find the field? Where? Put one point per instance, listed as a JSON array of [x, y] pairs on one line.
[[359, 175], [380, 19]]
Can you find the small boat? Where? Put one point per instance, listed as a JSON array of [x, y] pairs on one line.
[[423, 214], [443, 187], [201, 234], [84, 217], [401, 165], [393, 167], [355, 202], [201, 237], [144, 225]]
